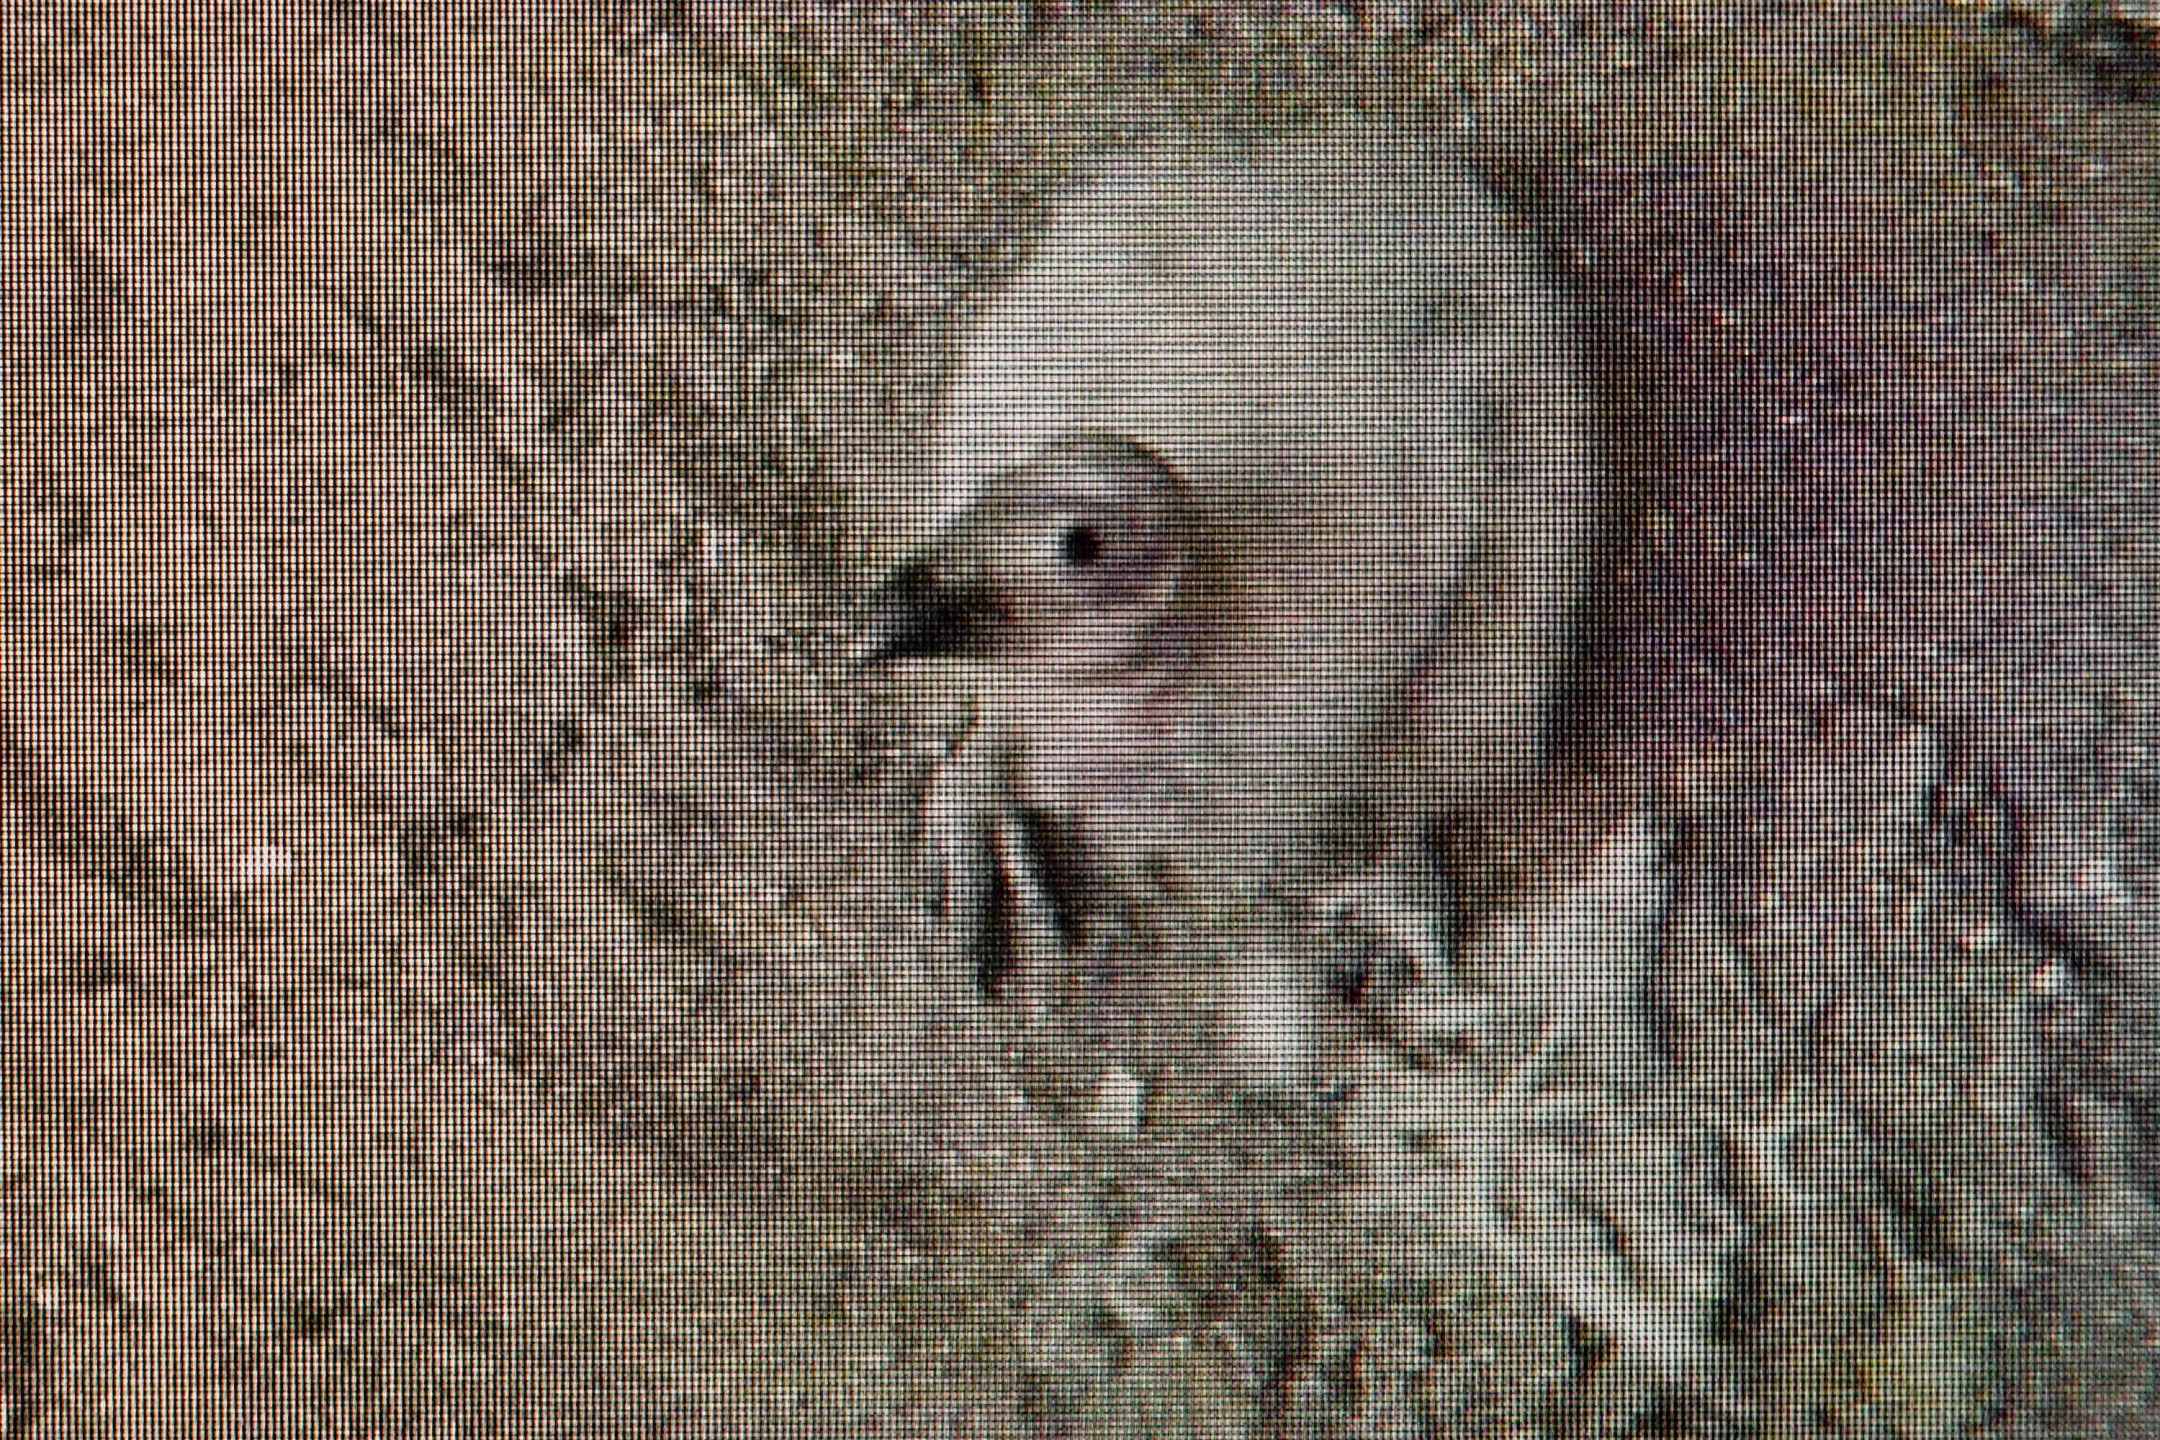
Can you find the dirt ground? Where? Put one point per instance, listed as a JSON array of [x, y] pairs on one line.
[[454, 889]]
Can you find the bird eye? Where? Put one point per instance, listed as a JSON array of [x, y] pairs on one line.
[[1109, 556], [1080, 546], [1086, 530]]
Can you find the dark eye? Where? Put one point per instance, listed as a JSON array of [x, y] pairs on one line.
[[1105, 558], [1088, 524], [1080, 546]]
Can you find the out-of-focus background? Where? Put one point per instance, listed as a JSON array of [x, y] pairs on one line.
[[454, 891]]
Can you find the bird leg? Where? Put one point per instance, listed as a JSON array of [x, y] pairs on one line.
[[955, 843], [999, 921], [1024, 945]]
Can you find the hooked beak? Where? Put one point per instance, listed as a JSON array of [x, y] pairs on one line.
[[914, 614]]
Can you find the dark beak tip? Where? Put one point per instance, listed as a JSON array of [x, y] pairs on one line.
[[908, 616]]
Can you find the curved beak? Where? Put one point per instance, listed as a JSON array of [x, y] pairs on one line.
[[914, 613]]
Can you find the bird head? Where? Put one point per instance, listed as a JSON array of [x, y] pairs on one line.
[[1066, 565]]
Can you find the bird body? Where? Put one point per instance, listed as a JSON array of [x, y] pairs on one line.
[[1264, 492]]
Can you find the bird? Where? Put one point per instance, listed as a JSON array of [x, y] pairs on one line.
[[1263, 498]]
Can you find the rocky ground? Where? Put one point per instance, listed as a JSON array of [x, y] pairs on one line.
[[455, 892]]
